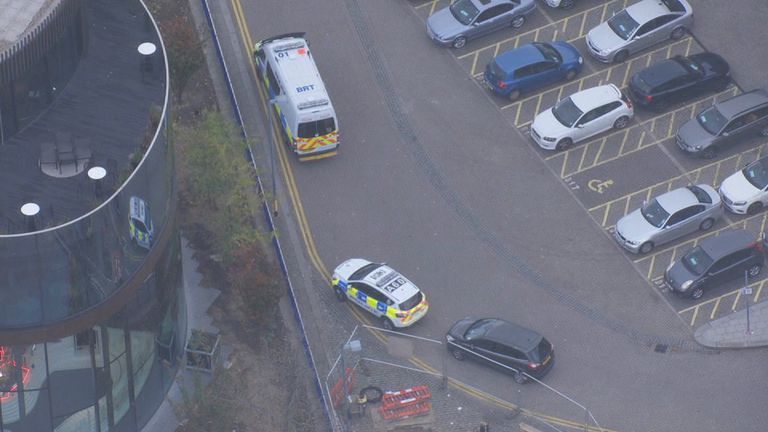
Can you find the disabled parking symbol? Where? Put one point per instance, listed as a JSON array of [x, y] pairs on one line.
[[599, 186]]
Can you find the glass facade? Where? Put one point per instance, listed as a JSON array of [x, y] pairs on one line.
[[92, 314]]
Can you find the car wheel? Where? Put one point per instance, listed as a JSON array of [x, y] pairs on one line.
[[621, 122], [514, 95], [754, 271], [340, 295], [458, 354], [518, 21], [564, 143], [677, 33], [520, 377], [764, 132], [706, 224], [459, 42], [709, 153], [697, 293], [570, 75], [620, 56], [566, 4], [646, 247], [754, 208], [386, 324]]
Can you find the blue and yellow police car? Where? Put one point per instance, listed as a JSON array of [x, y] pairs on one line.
[[380, 290]]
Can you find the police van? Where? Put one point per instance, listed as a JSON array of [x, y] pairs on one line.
[[291, 78]]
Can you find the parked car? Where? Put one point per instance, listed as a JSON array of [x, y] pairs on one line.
[[467, 19], [501, 344], [140, 225], [389, 296], [678, 79], [746, 191], [715, 260], [562, 4], [532, 66], [725, 123], [581, 116], [637, 27], [669, 216]]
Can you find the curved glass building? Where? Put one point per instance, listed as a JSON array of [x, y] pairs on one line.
[[92, 316]]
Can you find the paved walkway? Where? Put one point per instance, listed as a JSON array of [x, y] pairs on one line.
[[731, 331]]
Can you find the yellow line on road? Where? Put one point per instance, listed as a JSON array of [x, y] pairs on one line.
[[650, 268], [714, 308], [432, 9], [695, 314]]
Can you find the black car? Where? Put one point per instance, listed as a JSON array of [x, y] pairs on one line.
[[715, 260], [502, 344], [679, 78]]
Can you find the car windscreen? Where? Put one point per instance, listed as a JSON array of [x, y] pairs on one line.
[[541, 351], [549, 52], [566, 112], [711, 120], [691, 66], [411, 302], [139, 225], [364, 271], [316, 128], [478, 329], [654, 213], [674, 5], [757, 173], [464, 11], [701, 195], [623, 24], [697, 261]]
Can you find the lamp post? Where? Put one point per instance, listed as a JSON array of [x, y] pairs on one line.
[[272, 145], [351, 346]]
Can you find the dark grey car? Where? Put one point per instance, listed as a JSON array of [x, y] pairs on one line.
[[466, 19], [715, 260], [725, 123]]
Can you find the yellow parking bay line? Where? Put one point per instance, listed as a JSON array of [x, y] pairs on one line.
[[697, 309], [693, 175]]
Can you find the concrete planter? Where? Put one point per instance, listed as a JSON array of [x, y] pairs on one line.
[[202, 351]]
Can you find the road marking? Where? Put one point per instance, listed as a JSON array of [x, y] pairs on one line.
[[599, 186]]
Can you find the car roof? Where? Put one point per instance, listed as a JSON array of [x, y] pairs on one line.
[[646, 10], [485, 4], [677, 199], [137, 208], [514, 335], [662, 72], [593, 97], [727, 242], [734, 106], [391, 283], [514, 59]]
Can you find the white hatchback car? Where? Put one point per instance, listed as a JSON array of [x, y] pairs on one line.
[[746, 191], [580, 116], [380, 290]]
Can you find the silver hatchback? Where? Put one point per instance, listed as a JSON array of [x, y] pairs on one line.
[[637, 27], [466, 19], [668, 217]]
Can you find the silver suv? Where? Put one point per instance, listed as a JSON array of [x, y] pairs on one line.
[[466, 19], [725, 123]]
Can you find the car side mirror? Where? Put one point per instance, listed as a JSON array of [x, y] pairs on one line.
[[580, 126]]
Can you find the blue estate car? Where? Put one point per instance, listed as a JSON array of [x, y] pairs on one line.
[[532, 66]]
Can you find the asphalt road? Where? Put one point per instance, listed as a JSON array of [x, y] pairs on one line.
[[436, 177]]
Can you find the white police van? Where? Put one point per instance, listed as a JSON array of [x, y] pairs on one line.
[[301, 102]]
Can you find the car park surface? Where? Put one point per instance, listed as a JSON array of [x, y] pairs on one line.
[[420, 131]]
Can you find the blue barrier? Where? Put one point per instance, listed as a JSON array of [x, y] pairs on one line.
[[267, 213]]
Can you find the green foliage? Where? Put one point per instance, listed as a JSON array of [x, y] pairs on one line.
[[218, 182], [185, 54], [211, 408]]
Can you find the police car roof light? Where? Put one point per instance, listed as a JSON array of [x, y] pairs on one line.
[[289, 46], [312, 103], [386, 279], [282, 36]]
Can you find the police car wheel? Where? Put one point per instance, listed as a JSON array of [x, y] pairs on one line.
[[386, 324], [520, 377], [340, 296]]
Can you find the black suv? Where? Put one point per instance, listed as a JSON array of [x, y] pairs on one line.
[[501, 344], [678, 79], [715, 260]]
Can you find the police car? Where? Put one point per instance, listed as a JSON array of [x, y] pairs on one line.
[[140, 223], [380, 290]]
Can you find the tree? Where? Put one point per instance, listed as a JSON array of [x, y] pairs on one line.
[[185, 53]]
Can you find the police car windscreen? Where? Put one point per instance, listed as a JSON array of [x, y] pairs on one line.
[[316, 128], [411, 302]]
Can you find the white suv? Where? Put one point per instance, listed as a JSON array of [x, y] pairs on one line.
[[746, 191]]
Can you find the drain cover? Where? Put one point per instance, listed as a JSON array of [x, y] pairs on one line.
[[661, 348]]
